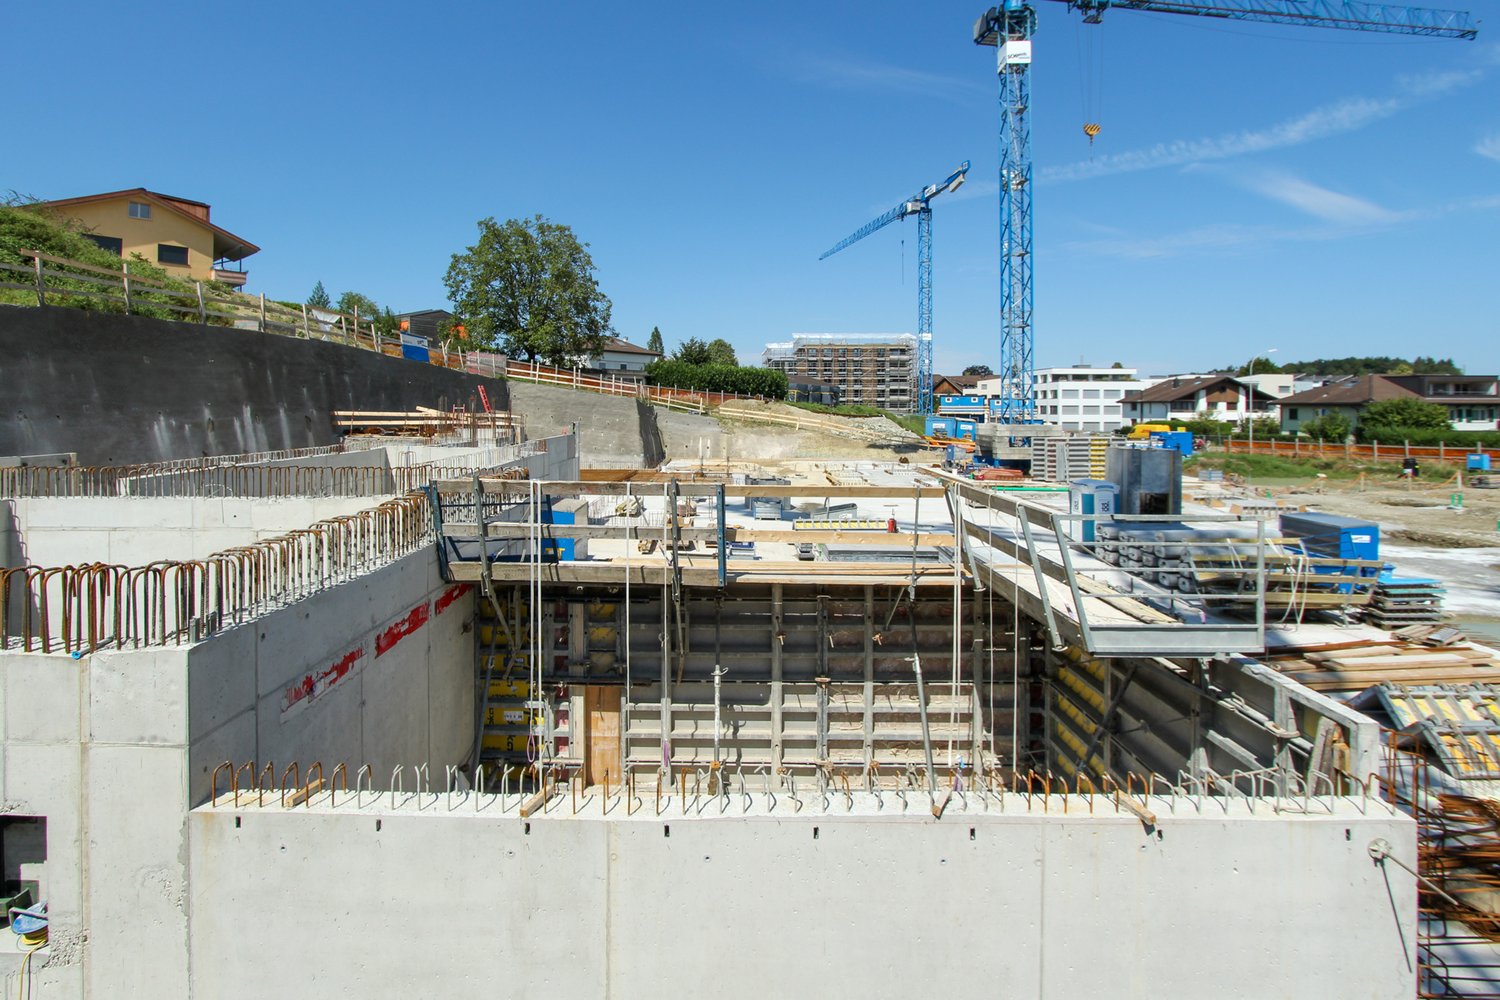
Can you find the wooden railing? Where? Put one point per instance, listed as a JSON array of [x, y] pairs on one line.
[[59, 281]]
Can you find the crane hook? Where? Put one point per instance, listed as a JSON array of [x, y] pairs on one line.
[[1091, 129]]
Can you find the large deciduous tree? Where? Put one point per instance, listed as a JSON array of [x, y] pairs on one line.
[[352, 302], [983, 371], [1399, 414], [528, 286], [721, 352]]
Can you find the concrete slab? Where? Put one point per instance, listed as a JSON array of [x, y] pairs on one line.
[[137, 871], [43, 697], [221, 679], [139, 696]]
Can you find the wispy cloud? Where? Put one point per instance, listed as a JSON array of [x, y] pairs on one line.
[[843, 73], [1489, 146], [1319, 202], [1229, 239], [1343, 116]]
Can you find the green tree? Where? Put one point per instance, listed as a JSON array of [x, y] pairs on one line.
[[386, 323], [528, 285], [654, 342], [983, 371], [349, 302], [319, 298], [721, 352], [1386, 415], [693, 352], [1328, 427], [1261, 366]]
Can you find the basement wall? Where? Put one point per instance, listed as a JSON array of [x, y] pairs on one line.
[[127, 389], [135, 531], [113, 748], [430, 902]]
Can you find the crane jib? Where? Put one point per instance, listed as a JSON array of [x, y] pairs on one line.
[[1010, 27]]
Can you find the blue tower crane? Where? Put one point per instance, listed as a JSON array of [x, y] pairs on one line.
[[1010, 27], [920, 206]]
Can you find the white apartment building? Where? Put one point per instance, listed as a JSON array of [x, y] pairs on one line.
[[1079, 398]]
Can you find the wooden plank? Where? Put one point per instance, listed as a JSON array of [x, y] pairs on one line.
[[706, 575], [687, 488], [601, 710], [734, 534]]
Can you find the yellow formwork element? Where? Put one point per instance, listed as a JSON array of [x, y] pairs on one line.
[[1083, 690]]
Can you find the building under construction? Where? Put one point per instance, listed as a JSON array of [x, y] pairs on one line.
[[869, 369], [445, 710]]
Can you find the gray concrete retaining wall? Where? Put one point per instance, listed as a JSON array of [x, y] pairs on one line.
[[127, 389], [615, 431], [437, 900]]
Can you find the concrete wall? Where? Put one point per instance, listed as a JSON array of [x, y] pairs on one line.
[[126, 389], [378, 671], [437, 902], [615, 431], [76, 531], [113, 748]]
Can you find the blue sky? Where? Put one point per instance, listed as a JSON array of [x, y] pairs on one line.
[[1321, 192]]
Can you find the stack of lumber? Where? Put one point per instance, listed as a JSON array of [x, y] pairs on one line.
[[1354, 666], [999, 475]]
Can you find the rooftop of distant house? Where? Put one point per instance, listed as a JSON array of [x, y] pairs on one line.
[[227, 246]]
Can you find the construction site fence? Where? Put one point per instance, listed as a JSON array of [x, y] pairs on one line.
[[162, 480], [1375, 450], [565, 789], [81, 609]]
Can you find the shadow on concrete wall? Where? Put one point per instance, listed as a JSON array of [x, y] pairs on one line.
[[127, 389]]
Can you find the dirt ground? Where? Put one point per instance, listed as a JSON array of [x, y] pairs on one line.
[[1419, 513]]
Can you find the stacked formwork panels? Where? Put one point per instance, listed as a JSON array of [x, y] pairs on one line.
[[1061, 460]]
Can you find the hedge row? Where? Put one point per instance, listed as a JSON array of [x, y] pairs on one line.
[[718, 378]]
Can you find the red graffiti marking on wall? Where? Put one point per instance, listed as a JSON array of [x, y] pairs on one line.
[[405, 626], [446, 598], [315, 684]]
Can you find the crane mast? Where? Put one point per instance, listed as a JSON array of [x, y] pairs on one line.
[[919, 205], [1010, 27]]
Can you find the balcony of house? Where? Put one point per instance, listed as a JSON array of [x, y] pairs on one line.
[[230, 272]]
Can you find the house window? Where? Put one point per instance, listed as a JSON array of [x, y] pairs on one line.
[[140, 210], [1291, 413], [111, 243], [168, 254]]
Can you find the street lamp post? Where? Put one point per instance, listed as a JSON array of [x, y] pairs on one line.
[[1250, 406]]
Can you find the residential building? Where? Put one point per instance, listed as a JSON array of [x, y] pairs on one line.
[[175, 234], [1472, 401], [956, 385], [1197, 397], [870, 369], [1082, 398], [427, 323], [622, 359]]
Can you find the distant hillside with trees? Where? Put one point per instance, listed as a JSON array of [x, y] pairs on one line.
[[1354, 366]]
